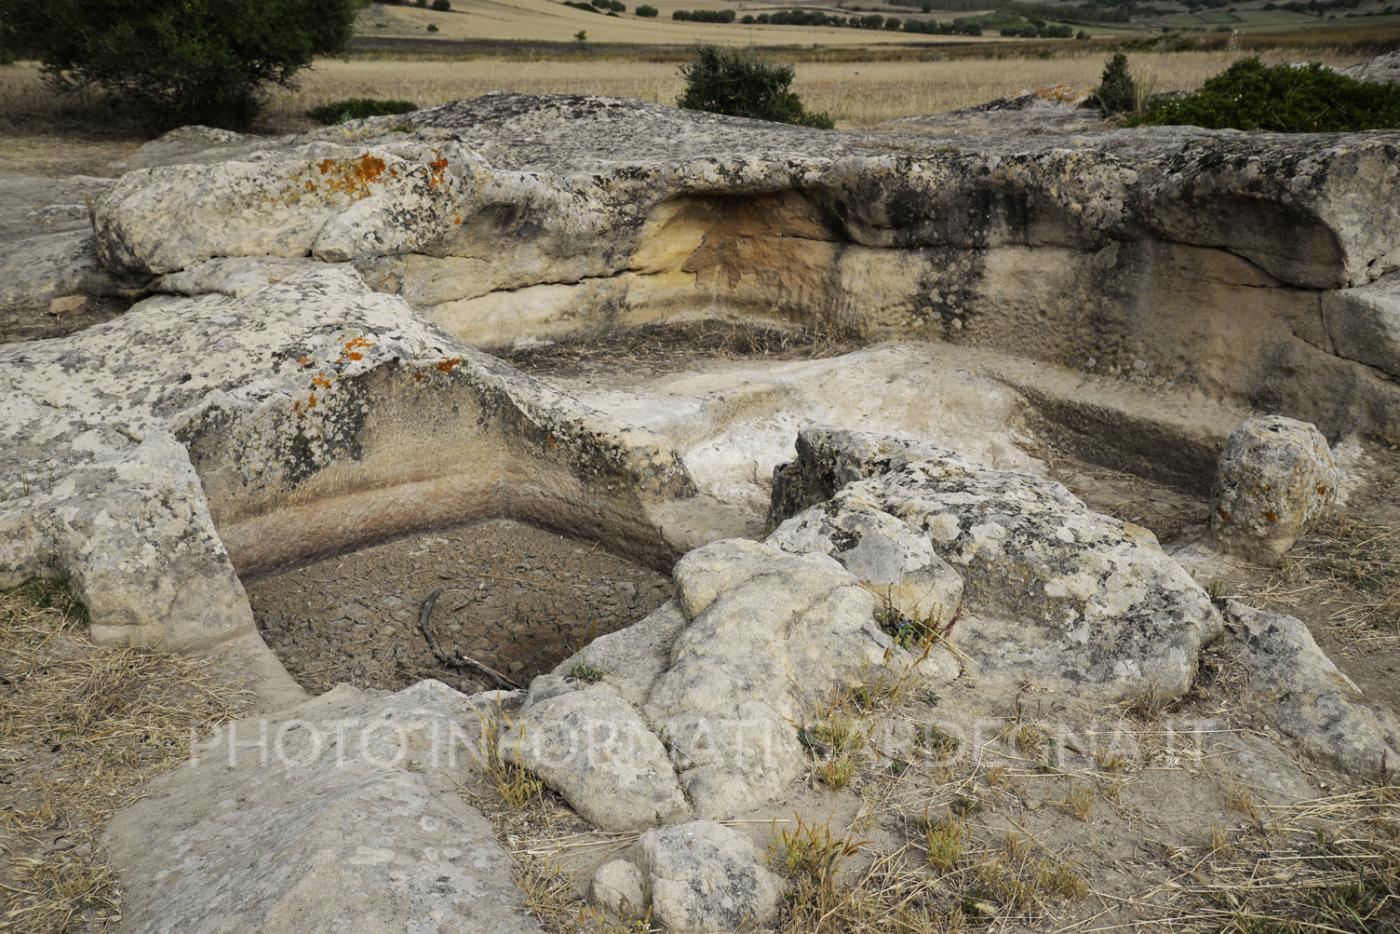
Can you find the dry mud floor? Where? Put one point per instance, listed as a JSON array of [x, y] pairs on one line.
[[514, 597]]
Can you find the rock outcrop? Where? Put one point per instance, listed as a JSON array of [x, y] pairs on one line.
[[1052, 591], [1276, 476], [148, 458], [1188, 256], [338, 814]]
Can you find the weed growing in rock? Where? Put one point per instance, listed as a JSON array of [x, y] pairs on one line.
[[587, 673], [518, 787], [810, 857], [946, 839]]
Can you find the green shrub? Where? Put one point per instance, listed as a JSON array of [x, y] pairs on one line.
[[357, 108], [1250, 95], [442, 6], [1117, 92], [738, 83], [178, 61], [646, 10]]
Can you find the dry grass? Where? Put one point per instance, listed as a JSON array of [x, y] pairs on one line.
[[859, 93], [82, 726], [1353, 567]]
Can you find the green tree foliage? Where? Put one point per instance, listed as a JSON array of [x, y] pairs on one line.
[[1250, 95], [1117, 92], [179, 61], [738, 83], [647, 10]]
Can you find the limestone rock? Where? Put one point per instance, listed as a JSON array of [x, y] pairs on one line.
[[771, 636], [1202, 253], [619, 889], [293, 418], [1052, 591], [1276, 476], [339, 814], [704, 877], [890, 559], [591, 746], [1383, 69], [37, 270], [631, 659], [1364, 323], [1294, 684]]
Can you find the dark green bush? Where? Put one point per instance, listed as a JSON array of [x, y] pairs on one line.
[[442, 6], [179, 61], [357, 108], [703, 16], [738, 83], [1117, 92], [646, 10], [1250, 95]]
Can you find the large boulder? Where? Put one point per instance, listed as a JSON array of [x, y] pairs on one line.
[[340, 814], [1364, 323], [1276, 477], [1052, 591]]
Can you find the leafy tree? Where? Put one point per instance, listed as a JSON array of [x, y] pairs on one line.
[[646, 10], [442, 6], [179, 61], [738, 83]]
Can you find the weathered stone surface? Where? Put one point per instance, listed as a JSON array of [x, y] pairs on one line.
[[592, 746], [1276, 476], [1052, 592], [1295, 685], [1177, 254], [294, 419], [340, 814], [619, 888], [772, 635], [1364, 323], [705, 877], [34, 271], [889, 558], [631, 659]]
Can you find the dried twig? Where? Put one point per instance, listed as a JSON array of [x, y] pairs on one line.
[[456, 660]]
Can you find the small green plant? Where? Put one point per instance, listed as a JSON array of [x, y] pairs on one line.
[[357, 108], [586, 673], [581, 36], [518, 787], [946, 839], [442, 6], [647, 11], [1250, 95], [807, 853], [738, 83], [53, 593], [1117, 92], [836, 773]]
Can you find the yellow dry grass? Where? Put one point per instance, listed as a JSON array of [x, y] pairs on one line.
[[82, 726], [855, 93], [550, 21]]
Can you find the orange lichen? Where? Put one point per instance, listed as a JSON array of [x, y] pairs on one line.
[[1270, 515], [457, 219], [311, 401], [436, 168], [448, 365], [304, 361], [296, 406], [310, 185], [354, 355], [320, 379], [358, 342], [354, 176], [1224, 513], [327, 165]]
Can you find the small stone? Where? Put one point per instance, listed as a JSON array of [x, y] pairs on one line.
[[617, 889], [1276, 477], [67, 304], [706, 877]]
